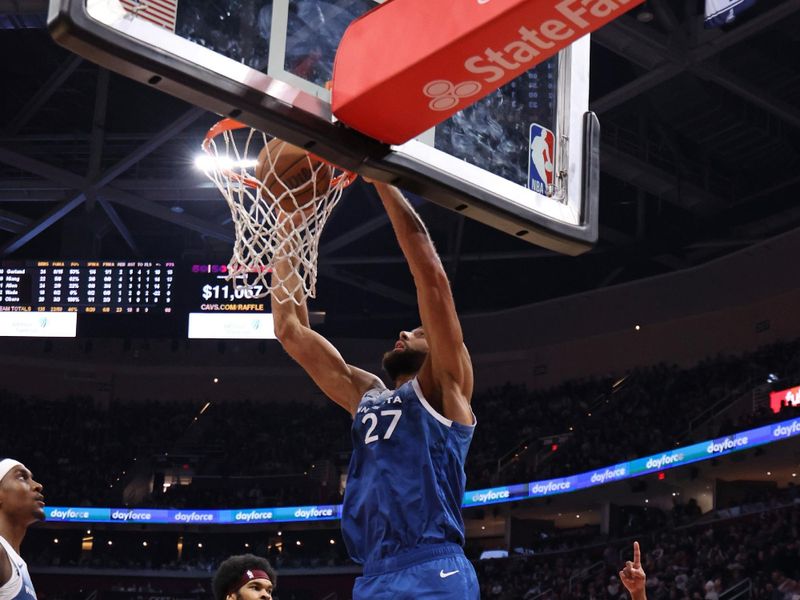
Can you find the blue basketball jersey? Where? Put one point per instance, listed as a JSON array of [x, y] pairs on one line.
[[19, 586], [406, 479]]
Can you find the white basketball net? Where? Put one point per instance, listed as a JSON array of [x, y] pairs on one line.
[[281, 223]]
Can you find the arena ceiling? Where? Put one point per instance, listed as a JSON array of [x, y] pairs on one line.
[[700, 157]]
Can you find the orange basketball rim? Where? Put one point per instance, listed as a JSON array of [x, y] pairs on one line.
[[226, 125]]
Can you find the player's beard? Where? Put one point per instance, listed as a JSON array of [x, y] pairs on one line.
[[404, 362]]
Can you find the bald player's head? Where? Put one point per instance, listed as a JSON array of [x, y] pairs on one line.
[[21, 498]]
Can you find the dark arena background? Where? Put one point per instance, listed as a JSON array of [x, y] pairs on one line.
[[647, 390]]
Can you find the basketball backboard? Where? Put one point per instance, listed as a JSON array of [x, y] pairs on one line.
[[523, 160]]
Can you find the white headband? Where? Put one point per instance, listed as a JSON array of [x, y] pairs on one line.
[[6, 465]]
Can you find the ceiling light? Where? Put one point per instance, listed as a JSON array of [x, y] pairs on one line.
[[645, 15], [204, 162]]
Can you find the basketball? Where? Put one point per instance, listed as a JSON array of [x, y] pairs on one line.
[[292, 176]]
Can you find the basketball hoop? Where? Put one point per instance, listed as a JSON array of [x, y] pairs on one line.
[[274, 217]]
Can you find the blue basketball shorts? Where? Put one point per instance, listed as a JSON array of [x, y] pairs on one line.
[[437, 572]]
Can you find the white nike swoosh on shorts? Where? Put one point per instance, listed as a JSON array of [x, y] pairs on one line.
[[442, 574]]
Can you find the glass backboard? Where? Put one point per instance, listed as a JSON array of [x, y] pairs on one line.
[[523, 160]]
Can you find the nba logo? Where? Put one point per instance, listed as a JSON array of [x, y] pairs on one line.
[[540, 159]]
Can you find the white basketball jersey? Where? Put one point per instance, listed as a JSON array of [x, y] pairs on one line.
[[19, 587]]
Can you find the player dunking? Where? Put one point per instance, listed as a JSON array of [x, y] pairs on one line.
[[21, 504], [402, 507]]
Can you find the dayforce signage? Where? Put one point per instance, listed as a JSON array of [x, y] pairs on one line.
[[243, 516], [727, 444], [496, 495], [608, 474], [434, 65], [522, 491]]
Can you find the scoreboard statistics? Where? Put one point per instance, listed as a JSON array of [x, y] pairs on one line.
[[111, 298], [86, 286]]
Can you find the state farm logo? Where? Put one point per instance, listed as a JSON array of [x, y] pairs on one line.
[[446, 95], [525, 46]]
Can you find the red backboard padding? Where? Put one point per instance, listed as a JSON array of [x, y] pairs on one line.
[[409, 64]]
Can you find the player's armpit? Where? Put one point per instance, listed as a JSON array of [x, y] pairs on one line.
[[5, 566], [448, 370], [446, 391]]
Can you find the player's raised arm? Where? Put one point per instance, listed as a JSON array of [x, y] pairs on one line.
[[633, 577], [342, 383], [447, 373]]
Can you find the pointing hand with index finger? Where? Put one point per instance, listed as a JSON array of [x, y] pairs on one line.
[[632, 575]]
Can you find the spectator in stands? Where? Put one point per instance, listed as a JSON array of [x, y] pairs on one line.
[[786, 588], [711, 591], [613, 588], [244, 577], [120, 446], [21, 505]]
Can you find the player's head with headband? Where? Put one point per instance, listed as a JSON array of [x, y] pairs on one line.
[[244, 577], [21, 498], [408, 355]]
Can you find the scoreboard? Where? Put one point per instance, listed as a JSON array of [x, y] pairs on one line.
[[86, 286], [112, 298]]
